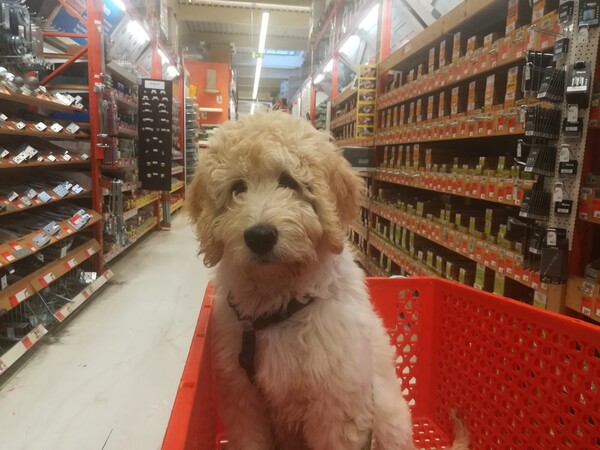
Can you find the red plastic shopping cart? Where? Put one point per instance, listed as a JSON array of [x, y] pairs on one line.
[[522, 378]]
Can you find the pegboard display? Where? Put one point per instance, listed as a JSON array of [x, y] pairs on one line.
[[583, 47], [155, 134]]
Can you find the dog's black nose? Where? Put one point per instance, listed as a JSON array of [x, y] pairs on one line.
[[261, 238]]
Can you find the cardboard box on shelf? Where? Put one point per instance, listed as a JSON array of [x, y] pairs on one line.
[[484, 278], [519, 14], [489, 40], [592, 272], [476, 96], [432, 62], [431, 108], [443, 105], [419, 110], [458, 45], [458, 102], [443, 56], [541, 8], [491, 93], [466, 275], [513, 87], [418, 157], [473, 43]]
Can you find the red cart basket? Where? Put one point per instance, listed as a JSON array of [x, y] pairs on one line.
[[521, 377]]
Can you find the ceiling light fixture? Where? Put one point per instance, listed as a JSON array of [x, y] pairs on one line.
[[257, 78], [261, 50], [253, 5], [263, 32]]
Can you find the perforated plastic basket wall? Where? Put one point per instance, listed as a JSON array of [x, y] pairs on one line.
[[521, 377]]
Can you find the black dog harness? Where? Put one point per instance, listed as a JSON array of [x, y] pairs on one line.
[[251, 326]]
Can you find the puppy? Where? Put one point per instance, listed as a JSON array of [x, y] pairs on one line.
[[302, 360]]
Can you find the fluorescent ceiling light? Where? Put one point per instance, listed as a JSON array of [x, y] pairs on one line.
[[263, 32], [252, 107], [329, 66], [138, 31], [257, 78], [350, 44], [120, 5], [370, 19], [319, 78], [261, 49]]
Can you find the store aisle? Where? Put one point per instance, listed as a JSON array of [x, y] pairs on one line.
[[108, 379]]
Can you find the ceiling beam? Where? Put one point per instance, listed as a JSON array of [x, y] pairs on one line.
[[240, 40], [201, 13]]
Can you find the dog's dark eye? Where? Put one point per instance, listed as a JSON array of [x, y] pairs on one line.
[[239, 187], [287, 181]]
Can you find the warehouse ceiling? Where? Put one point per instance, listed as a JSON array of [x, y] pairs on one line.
[[238, 23]]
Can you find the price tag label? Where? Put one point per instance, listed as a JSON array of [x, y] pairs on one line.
[[564, 154], [25, 200], [67, 157], [90, 251], [47, 279], [71, 263], [20, 296], [9, 257], [20, 125], [551, 238], [41, 126], [51, 157], [4, 153], [72, 128], [44, 197], [85, 156], [3, 117], [56, 127]]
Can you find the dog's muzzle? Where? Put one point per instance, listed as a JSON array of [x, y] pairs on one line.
[[261, 239]]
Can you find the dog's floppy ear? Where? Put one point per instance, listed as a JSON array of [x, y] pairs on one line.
[[338, 197], [201, 209]]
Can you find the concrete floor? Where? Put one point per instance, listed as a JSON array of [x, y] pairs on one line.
[[107, 380]]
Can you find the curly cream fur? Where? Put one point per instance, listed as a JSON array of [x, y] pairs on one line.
[[325, 377]]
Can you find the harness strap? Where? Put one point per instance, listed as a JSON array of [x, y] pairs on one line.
[[250, 326]]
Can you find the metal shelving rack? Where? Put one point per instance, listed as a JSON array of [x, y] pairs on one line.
[[384, 226], [76, 273]]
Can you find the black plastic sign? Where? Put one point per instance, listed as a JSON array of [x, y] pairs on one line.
[[155, 131]]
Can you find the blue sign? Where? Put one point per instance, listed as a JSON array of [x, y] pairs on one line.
[[63, 20]]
